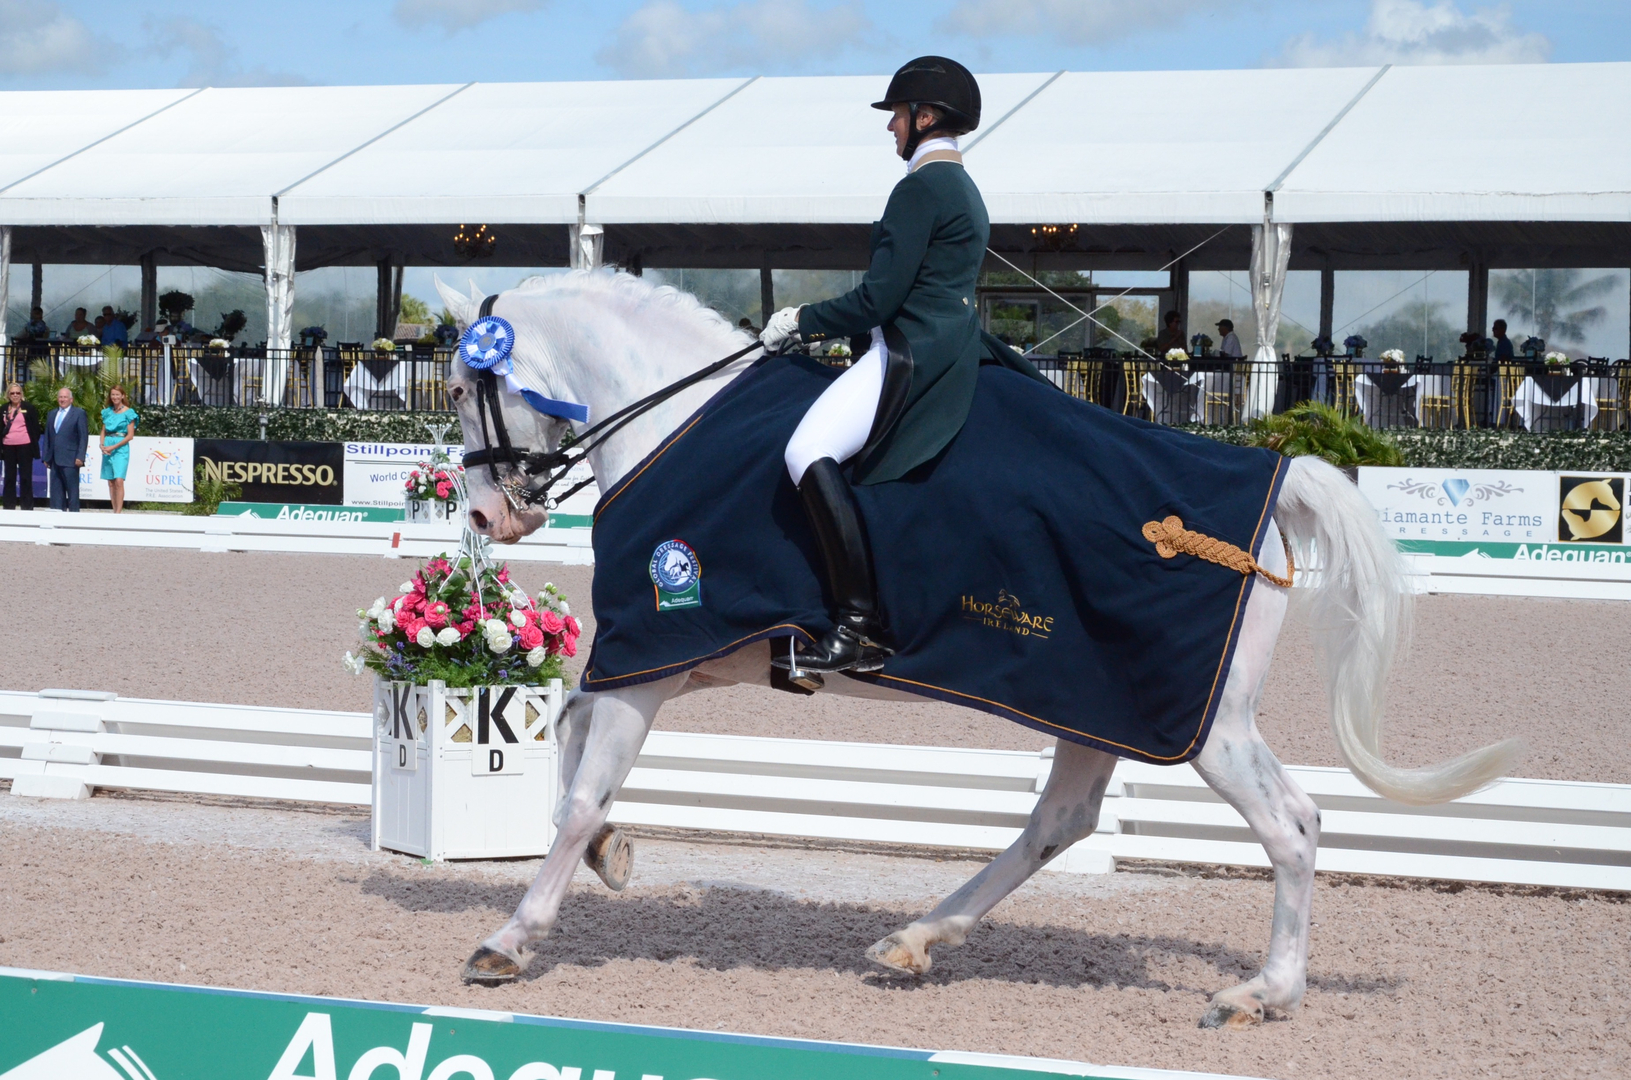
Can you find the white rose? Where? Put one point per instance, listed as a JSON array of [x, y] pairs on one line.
[[499, 643], [493, 627], [537, 656], [565, 609], [425, 638], [405, 587], [387, 620], [378, 606], [447, 635], [356, 666], [518, 618], [519, 599]]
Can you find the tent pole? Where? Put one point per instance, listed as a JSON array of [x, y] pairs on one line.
[[382, 296], [1477, 295], [1180, 295], [36, 292], [5, 278], [767, 290], [1328, 295], [150, 290]]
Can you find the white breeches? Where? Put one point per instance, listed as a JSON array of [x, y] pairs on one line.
[[838, 422]]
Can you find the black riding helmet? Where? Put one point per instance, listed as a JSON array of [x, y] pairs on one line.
[[937, 81]]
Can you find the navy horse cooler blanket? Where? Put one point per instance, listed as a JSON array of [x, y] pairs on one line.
[[1013, 572]]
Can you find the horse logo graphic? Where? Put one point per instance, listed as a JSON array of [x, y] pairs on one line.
[[676, 574], [1590, 509], [76, 1058]]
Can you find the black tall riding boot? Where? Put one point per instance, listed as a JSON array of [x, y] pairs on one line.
[[849, 645]]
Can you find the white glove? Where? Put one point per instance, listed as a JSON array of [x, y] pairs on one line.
[[782, 330]]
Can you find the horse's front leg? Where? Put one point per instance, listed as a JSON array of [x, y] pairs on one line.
[[1068, 811], [621, 719]]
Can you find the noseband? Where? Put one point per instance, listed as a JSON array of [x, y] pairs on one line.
[[540, 470]]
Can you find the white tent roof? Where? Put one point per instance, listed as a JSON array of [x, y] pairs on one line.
[[1449, 144], [1533, 143], [500, 153]]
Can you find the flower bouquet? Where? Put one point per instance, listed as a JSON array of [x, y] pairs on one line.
[[434, 489], [88, 341], [1199, 344], [1322, 345], [221, 344], [462, 622], [384, 344], [313, 335], [1177, 356], [838, 350], [1533, 347], [1555, 359], [1392, 357], [1355, 345]]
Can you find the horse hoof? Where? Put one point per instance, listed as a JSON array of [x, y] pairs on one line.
[[893, 954], [1224, 1015], [611, 856], [489, 967]]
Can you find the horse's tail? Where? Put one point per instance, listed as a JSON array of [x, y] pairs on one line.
[[1358, 612]]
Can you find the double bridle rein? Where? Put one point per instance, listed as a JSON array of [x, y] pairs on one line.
[[553, 465]]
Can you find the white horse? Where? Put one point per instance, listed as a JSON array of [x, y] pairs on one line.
[[607, 340]]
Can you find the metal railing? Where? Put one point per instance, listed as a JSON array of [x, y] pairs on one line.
[[346, 375], [1213, 391]]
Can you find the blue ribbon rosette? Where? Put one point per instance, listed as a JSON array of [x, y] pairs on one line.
[[486, 345]]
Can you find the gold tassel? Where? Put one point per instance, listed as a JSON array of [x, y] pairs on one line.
[[1170, 537]]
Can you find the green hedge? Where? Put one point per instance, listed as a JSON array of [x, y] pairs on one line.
[[1490, 448], [292, 425]]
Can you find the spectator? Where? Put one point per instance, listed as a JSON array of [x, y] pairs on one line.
[[1503, 344], [20, 445], [114, 330], [119, 425], [67, 437], [1229, 346], [35, 329], [98, 325], [149, 334], [1172, 335], [79, 325]]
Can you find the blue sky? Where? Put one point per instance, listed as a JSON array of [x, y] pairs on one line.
[[55, 44]]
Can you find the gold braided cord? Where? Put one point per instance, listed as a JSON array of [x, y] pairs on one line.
[[1170, 537]]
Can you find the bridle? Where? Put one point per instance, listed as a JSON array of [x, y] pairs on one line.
[[550, 467]]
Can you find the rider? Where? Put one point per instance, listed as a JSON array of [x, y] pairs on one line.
[[901, 403]]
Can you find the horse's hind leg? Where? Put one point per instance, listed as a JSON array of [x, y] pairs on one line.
[[1239, 766], [620, 723], [1067, 812]]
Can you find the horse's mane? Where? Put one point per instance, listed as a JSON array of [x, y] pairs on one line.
[[637, 294]]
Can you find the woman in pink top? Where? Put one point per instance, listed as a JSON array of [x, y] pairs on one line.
[[20, 444]]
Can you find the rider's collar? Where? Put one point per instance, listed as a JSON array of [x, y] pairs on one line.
[[486, 346], [929, 146]]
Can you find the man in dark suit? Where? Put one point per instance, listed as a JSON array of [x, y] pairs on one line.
[[67, 437]]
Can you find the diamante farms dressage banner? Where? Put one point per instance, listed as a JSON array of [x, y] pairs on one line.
[[1569, 516]]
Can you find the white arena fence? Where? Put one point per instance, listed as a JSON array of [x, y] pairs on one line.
[[62, 743], [390, 539]]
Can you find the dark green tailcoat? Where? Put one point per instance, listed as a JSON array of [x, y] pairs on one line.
[[927, 250]]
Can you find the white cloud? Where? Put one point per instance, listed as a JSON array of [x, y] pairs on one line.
[[453, 15], [1411, 32], [1078, 22], [37, 36], [664, 39], [212, 62]]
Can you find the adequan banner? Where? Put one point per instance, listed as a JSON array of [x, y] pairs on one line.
[[276, 472], [64, 1027]]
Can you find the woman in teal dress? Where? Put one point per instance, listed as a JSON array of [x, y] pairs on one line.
[[118, 428]]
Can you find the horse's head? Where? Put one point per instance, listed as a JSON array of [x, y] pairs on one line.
[[491, 511]]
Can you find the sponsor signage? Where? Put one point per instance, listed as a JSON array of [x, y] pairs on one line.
[[376, 474], [301, 512], [275, 472], [1501, 514], [159, 470], [61, 1027]]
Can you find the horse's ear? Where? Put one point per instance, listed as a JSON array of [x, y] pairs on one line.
[[464, 312]]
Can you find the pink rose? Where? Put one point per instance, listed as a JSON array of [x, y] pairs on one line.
[[436, 615], [571, 647], [443, 490], [504, 574], [530, 637], [550, 622], [572, 627], [465, 627]]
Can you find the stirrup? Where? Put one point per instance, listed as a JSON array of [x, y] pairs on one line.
[[801, 677]]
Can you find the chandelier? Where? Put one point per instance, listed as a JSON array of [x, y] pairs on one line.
[[474, 243], [1053, 237]]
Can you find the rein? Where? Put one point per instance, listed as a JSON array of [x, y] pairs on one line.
[[557, 463]]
